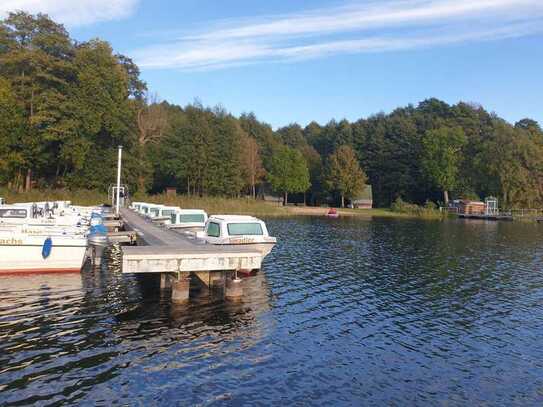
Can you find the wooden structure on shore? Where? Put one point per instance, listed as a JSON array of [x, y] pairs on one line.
[[177, 258], [487, 210], [466, 207]]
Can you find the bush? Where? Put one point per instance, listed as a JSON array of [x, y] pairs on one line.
[[430, 206], [400, 206], [429, 210]]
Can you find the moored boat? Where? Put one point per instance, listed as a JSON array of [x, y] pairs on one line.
[[25, 252], [239, 231], [188, 220]]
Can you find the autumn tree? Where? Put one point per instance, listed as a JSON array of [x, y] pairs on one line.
[[344, 174], [152, 122], [252, 163]]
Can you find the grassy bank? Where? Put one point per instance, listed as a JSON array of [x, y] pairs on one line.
[[214, 205]]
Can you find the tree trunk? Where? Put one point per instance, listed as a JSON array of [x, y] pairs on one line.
[[285, 200], [343, 201], [18, 181], [254, 191], [141, 184], [28, 181], [446, 197]]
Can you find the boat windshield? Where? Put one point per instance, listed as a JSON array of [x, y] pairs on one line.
[[213, 229], [13, 213], [237, 229], [154, 211], [192, 218], [168, 212]]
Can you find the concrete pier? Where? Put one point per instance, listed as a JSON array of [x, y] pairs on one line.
[[167, 251], [173, 254]]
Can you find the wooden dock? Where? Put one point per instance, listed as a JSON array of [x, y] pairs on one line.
[[166, 251], [485, 217]]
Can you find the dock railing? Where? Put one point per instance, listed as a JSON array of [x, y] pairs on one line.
[[525, 213]]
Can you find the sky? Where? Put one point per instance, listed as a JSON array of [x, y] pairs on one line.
[[297, 60]]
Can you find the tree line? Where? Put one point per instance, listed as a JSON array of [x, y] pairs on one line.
[[65, 106]]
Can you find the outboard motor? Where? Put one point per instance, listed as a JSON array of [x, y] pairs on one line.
[[98, 240], [96, 219]]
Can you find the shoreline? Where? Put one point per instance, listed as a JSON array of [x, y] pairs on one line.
[[212, 205], [220, 205]]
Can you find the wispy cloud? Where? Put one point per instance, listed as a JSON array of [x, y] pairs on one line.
[[73, 12], [376, 26]]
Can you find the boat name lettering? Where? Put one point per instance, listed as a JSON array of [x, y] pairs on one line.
[[241, 240], [11, 242]]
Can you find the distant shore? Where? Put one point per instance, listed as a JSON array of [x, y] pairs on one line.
[[212, 205], [236, 206]]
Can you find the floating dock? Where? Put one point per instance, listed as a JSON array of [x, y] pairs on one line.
[[485, 217], [176, 257]]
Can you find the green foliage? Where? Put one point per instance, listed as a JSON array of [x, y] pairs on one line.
[[73, 100], [441, 156], [66, 106], [11, 133], [344, 174], [289, 172], [428, 210]]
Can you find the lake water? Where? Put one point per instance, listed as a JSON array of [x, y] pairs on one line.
[[345, 312]]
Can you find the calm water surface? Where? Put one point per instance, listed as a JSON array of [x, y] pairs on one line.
[[345, 312]]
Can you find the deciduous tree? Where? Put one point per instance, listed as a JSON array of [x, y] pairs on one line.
[[344, 174], [289, 172], [441, 157]]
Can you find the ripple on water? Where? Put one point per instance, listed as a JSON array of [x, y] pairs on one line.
[[345, 312]]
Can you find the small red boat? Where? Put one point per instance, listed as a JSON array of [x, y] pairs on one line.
[[332, 213]]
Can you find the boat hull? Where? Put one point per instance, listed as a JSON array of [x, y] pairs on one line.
[[25, 255], [263, 248]]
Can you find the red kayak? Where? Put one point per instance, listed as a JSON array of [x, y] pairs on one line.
[[332, 213]]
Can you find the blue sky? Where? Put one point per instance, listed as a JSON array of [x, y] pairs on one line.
[[297, 61]]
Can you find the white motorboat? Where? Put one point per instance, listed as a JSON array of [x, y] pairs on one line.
[[136, 206], [26, 252], [235, 230], [163, 214], [154, 210], [30, 214], [188, 220]]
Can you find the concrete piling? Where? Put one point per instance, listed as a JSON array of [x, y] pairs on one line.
[[180, 290], [96, 255], [165, 281], [233, 290]]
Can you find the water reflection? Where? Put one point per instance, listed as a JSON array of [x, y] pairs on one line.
[[348, 312]]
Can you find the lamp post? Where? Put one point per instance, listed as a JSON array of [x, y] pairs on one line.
[[117, 197]]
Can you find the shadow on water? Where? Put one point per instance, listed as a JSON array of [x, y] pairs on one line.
[[345, 312]]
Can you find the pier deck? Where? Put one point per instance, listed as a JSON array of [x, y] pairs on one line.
[[166, 251]]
